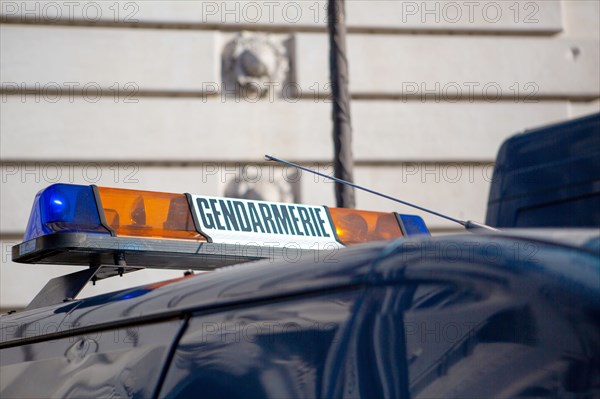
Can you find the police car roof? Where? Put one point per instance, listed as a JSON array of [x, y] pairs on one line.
[[450, 256]]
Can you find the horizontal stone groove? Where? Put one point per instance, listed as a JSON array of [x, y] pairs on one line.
[[241, 162], [276, 28], [309, 97]]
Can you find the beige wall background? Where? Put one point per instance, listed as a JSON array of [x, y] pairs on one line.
[[129, 94]]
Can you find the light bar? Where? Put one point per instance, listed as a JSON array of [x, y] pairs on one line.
[[114, 212]]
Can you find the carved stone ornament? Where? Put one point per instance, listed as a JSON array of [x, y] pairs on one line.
[[264, 184], [254, 62]]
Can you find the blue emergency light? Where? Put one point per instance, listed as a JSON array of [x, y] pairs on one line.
[[64, 208]]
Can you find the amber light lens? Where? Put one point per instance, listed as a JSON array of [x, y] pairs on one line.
[[148, 214], [357, 227]]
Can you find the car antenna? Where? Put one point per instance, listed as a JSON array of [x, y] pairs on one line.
[[469, 225]]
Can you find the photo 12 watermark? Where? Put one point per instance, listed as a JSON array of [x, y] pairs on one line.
[[406, 172], [454, 92], [69, 11], [469, 251], [54, 92], [405, 91], [70, 172]]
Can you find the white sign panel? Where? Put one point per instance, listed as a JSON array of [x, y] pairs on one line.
[[238, 221]]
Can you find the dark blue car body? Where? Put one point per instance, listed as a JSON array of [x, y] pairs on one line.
[[495, 315]]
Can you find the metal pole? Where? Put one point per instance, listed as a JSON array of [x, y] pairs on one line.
[[342, 127]]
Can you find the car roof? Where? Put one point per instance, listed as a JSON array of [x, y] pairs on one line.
[[583, 239], [350, 267]]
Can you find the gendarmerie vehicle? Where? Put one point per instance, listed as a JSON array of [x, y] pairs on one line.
[[299, 304]]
